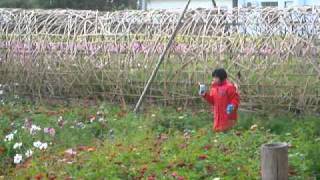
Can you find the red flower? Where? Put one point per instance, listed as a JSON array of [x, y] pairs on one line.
[[2, 150], [152, 177], [92, 118], [144, 169], [183, 146], [207, 147], [180, 178], [174, 174], [203, 157], [39, 176]]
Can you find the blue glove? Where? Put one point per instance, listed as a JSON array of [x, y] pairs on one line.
[[230, 109], [202, 89]]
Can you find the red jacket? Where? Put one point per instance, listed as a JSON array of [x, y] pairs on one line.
[[219, 97]]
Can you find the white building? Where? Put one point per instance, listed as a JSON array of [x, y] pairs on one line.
[[279, 3], [180, 4]]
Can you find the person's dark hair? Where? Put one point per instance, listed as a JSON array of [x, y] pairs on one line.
[[220, 73]]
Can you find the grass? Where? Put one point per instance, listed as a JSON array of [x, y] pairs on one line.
[[161, 143]]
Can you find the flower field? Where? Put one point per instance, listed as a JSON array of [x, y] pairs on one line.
[[105, 142]]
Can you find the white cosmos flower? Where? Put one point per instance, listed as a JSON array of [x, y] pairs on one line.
[[17, 159], [40, 145], [34, 129], [80, 125], [101, 120], [17, 145], [216, 178], [29, 153], [46, 130], [99, 113], [37, 144], [9, 137], [43, 146]]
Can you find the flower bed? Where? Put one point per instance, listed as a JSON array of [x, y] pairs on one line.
[[106, 142]]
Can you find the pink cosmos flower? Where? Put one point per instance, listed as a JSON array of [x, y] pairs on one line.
[[50, 131]]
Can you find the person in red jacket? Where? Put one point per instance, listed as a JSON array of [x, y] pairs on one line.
[[224, 98]]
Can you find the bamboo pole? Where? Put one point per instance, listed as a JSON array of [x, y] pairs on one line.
[[154, 72]]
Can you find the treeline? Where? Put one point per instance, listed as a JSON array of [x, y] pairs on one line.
[[103, 5]]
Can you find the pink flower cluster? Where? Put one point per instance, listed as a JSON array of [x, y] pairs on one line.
[[22, 48], [50, 131]]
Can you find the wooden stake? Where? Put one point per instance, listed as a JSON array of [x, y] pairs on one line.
[[274, 161], [154, 72]]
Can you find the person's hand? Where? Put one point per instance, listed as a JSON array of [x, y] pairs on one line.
[[230, 109], [202, 89]]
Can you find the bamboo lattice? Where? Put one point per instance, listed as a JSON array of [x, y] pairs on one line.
[[272, 54]]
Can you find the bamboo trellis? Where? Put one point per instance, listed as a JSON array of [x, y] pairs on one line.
[[272, 54]]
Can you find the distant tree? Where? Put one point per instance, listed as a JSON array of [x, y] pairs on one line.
[[104, 5]]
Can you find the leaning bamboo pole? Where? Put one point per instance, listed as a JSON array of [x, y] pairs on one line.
[[161, 59]]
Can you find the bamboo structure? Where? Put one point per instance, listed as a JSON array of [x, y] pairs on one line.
[[272, 54]]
